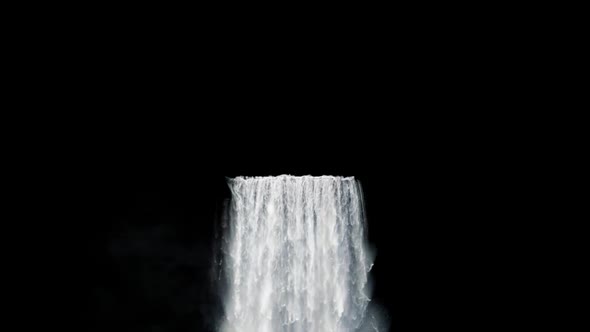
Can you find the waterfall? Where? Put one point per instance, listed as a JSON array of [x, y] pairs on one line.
[[295, 257]]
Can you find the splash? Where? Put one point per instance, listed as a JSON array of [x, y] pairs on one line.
[[296, 257]]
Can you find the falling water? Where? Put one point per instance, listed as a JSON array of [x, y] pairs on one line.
[[295, 257]]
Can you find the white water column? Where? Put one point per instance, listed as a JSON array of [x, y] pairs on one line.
[[296, 257]]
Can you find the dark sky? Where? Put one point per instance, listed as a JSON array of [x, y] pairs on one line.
[[146, 192], [147, 224]]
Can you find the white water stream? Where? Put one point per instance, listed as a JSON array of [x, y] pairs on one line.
[[296, 257]]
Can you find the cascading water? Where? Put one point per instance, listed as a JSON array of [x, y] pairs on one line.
[[295, 256]]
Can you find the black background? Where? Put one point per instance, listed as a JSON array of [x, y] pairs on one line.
[[404, 113]]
